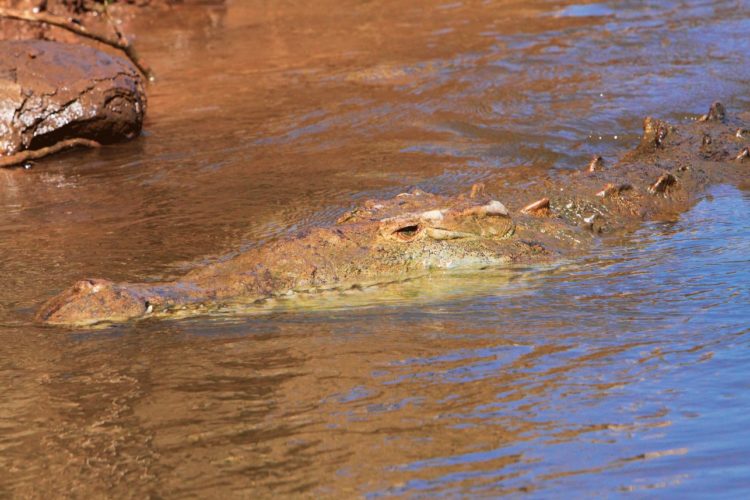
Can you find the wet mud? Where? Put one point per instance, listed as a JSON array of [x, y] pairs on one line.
[[74, 94], [103, 17], [54, 94]]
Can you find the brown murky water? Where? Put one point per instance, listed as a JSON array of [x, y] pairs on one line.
[[627, 371]]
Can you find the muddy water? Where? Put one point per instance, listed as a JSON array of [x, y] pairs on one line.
[[624, 371]]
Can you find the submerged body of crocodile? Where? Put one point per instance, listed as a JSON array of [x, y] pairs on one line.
[[407, 236]]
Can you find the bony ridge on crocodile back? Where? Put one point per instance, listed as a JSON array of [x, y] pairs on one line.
[[405, 237]]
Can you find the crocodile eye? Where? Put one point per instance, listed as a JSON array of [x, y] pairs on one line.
[[407, 233]]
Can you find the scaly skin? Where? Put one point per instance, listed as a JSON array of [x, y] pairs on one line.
[[407, 236], [429, 232]]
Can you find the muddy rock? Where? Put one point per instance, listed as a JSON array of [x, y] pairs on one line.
[[53, 92]]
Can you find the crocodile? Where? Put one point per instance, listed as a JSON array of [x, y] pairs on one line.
[[496, 224]]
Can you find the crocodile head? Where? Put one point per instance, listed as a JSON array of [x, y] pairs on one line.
[[416, 231], [92, 301], [419, 216]]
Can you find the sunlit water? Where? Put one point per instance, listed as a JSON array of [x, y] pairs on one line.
[[624, 371]]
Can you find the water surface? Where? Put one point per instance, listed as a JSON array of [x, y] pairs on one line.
[[625, 371]]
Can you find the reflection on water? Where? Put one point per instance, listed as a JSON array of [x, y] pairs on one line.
[[626, 371]]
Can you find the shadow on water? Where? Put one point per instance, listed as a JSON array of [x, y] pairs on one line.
[[624, 371]]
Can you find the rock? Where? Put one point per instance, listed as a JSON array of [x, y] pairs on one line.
[[53, 92]]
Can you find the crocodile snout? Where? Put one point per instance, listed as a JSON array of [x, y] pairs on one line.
[[92, 301]]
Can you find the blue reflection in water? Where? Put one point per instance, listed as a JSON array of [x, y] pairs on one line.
[[649, 377]]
